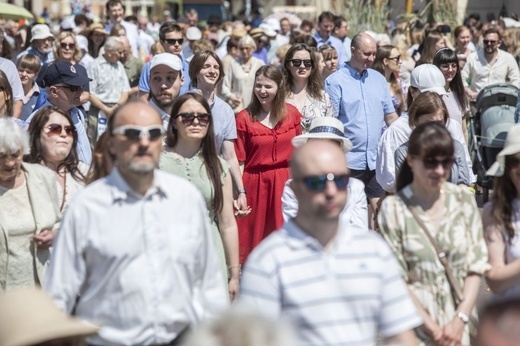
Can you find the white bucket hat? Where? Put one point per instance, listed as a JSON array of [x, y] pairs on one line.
[[29, 316], [40, 32], [511, 147], [324, 128], [428, 77]]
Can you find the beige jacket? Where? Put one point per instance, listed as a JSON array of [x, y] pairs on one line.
[[43, 197]]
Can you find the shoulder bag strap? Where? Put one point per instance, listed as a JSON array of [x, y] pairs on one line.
[[440, 253]]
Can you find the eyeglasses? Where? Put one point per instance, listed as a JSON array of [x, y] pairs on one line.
[[431, 163], [319, 182], [396, 59], [189, 118], [173, 41], [453, 66], [490, 42], [72, 88], [134, 133], [64, 45], [298, 62], [57, 130]]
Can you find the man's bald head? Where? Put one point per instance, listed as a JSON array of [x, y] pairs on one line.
[[315, 167], [124, 114], [308, 158], [364, 50]]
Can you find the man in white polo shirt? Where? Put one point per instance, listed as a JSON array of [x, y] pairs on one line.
[[339, 284]]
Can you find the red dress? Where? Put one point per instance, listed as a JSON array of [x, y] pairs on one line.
[[266, 153]]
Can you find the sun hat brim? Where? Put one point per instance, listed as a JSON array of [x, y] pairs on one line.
[[300, 140]]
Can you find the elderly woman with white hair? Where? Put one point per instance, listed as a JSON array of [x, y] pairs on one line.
[[29, 213], [240, 75]]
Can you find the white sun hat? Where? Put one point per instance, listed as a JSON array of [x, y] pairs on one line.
[[324, 128], [511, 147]]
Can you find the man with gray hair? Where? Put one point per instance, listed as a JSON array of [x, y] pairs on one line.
[[109, 87], [135, 251]]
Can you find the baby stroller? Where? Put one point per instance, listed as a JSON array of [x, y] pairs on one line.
[[496, 105]]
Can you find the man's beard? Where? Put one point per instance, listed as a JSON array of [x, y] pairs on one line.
[[163, 104]]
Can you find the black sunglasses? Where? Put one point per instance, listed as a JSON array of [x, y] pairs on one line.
[[173, 41], [57, 130], [297, 62], [396, 58], [189, 118], [72, 88], [490, 42], [319, 182], [431, 163], [64, 45], [134, 133]]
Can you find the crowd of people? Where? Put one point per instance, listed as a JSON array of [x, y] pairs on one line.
[[153, 174]]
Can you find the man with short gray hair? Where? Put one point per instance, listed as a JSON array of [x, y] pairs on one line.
[[109, 87]]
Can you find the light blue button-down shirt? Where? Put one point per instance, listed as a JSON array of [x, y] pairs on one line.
[[83, 147], [43, 59], [360, 102], [337, 44]]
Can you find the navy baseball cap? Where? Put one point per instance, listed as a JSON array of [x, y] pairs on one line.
[[64, 72]]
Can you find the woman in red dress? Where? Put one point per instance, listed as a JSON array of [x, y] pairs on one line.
[[263, 146]]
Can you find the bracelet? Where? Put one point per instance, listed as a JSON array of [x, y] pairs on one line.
[[239, 191], [464, 318], [235, 266]]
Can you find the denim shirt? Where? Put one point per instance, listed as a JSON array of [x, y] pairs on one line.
[[361, 102]]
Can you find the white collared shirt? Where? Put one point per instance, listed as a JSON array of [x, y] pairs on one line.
[[144, 267], [481, 74], [355, 212]]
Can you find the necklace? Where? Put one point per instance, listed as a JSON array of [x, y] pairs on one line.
[[247, 66]]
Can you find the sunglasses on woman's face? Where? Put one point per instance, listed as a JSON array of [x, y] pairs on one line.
[[57, 130], [432, 163], [319, 182], [64, 45], [188, 118], [297, 62]]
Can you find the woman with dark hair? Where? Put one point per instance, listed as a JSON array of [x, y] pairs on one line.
[[502, 220], [303, 84], [388, 63], [429, 215], [448, 62], [53, 144], [6, 96], [190, 153], [206, 71], [102, 159], [430, 107], [432, 43], [6, 51], [96, 36], [265, 130]]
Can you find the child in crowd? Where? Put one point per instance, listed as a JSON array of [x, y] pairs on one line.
[[28, 67]]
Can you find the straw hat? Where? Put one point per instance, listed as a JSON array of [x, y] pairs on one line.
[[324, 128], [239, 32], [94, 27], [29, 316], [511, 147]]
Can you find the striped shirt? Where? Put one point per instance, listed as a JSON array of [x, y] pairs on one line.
[[346, 295]]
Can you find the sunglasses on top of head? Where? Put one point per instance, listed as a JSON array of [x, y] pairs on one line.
[[297, 62], [134, 133], [319, 182], [57, 130], [189, 118]]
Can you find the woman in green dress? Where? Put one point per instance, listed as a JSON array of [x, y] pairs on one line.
[[190, 153], [450, 215]]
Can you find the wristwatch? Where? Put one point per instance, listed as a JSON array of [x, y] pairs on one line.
[[239, 191], [463, 317]]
